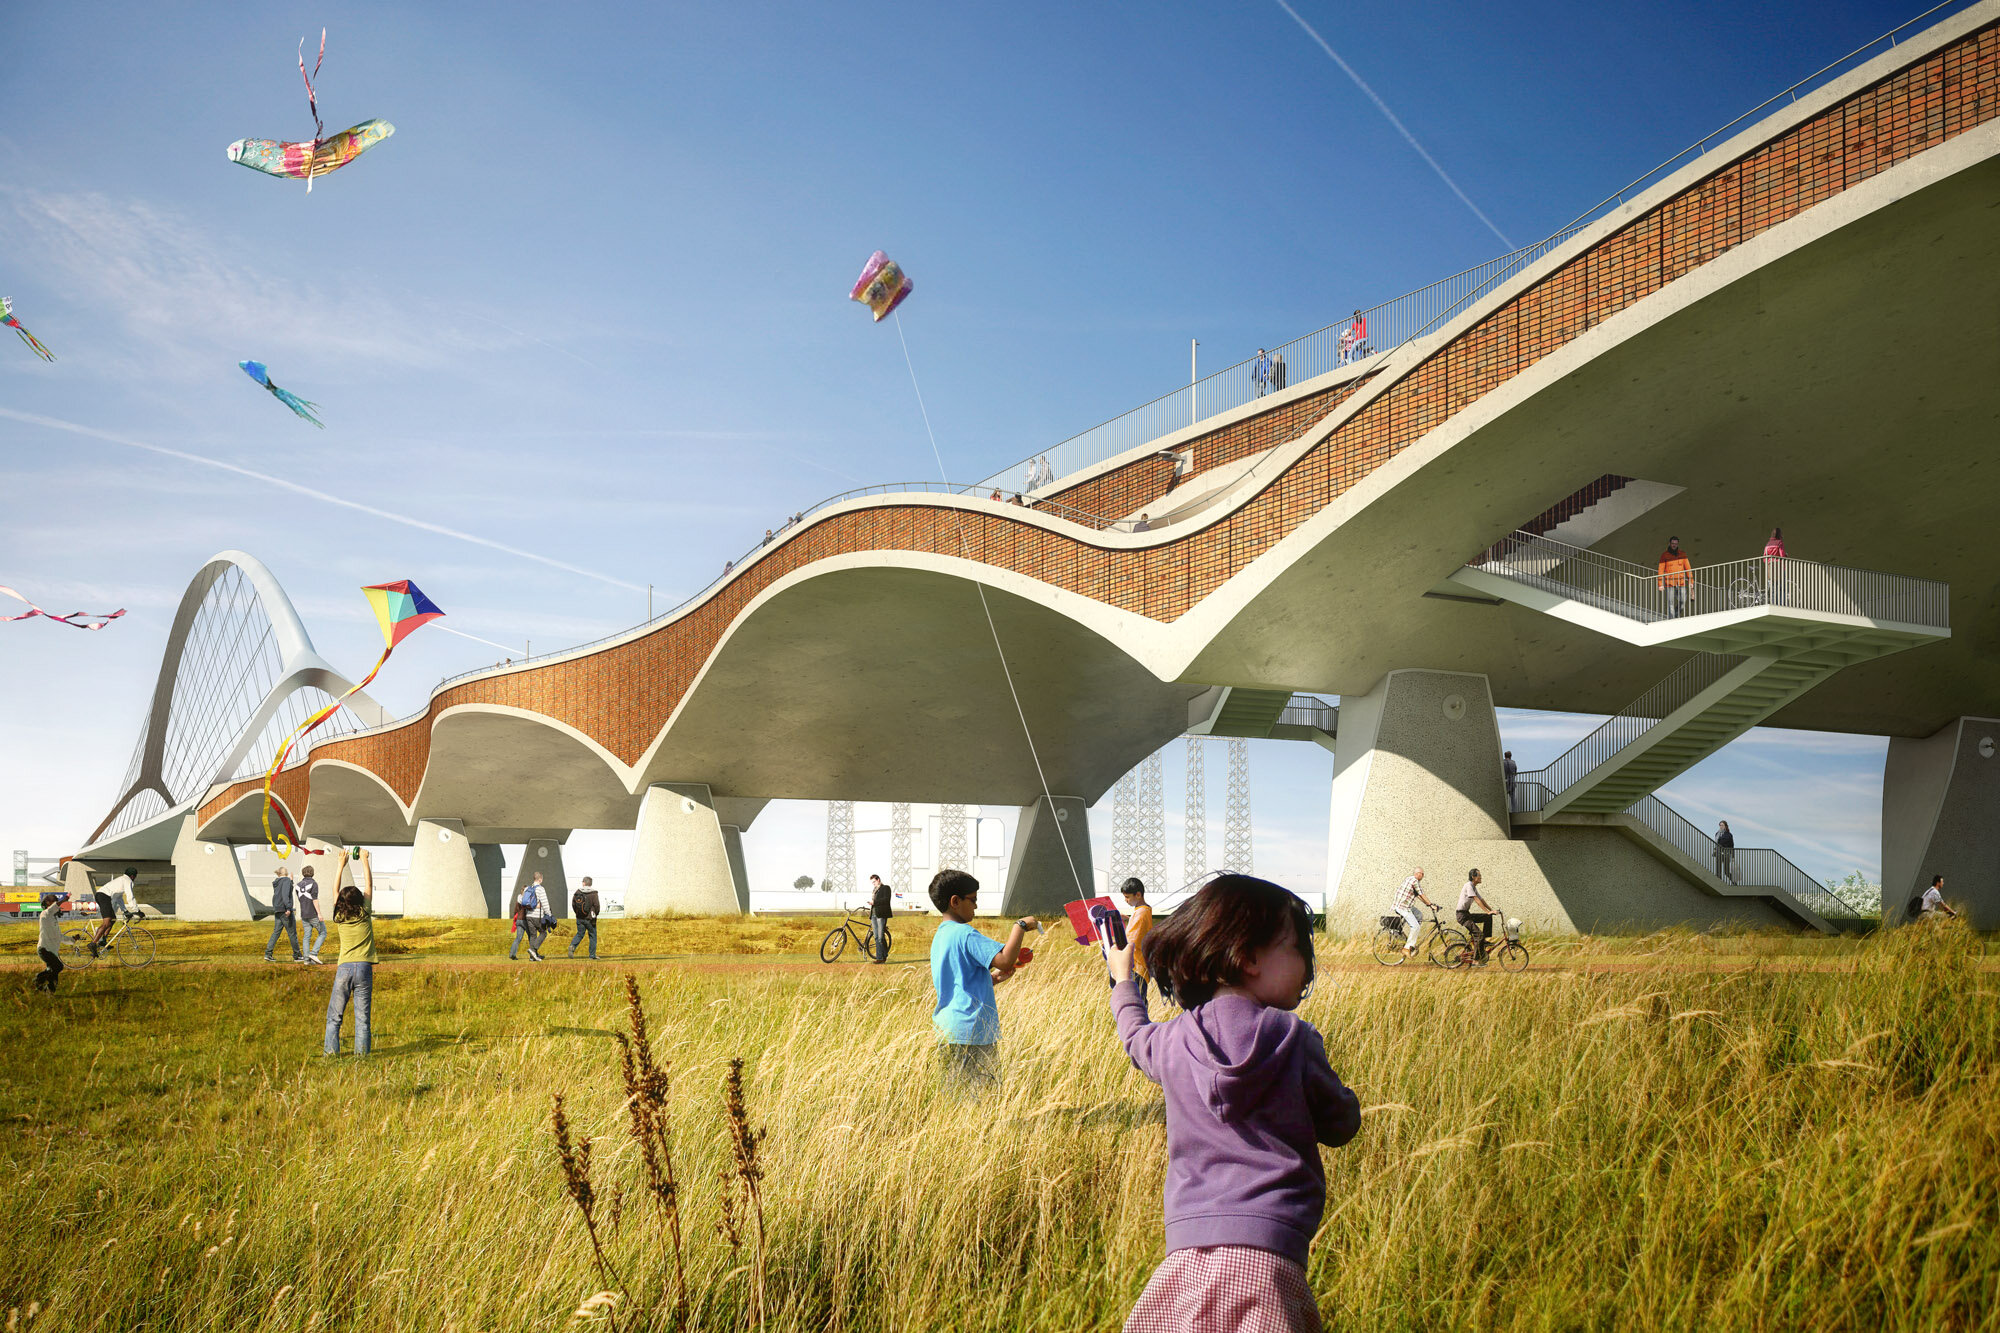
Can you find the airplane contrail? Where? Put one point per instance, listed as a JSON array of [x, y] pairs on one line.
[[1401, 129], [323, 497]]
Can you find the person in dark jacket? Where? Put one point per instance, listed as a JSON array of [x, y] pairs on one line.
[[1725, 852], [878, 920], [583, 903], [1250, 1097], [283, 919]]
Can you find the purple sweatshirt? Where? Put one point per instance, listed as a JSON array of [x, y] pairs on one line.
[[1250, 1096]]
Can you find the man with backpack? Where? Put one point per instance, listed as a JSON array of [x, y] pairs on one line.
[[583, 905], [1926, 905], [283, 917]]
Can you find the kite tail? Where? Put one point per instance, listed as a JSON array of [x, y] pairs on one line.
[[32, 341], [298, 405], [282, 843]]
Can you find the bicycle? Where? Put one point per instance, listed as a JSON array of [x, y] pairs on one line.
[[1512, 954], [1432, 942], [129, 942], [856, 924]]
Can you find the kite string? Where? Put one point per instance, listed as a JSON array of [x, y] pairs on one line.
[[312, 103], [299, 733], [1006, 670]]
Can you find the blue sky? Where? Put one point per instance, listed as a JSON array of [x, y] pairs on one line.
[[588, 303]]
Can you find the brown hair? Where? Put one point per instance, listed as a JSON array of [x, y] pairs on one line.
[[1208, 942], [349, 905]]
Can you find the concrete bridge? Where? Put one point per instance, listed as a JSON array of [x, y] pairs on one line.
[[1798, 328]]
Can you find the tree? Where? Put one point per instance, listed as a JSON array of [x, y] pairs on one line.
[[803, 882], [1859, 893]]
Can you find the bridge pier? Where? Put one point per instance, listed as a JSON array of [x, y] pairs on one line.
[[1417, 781], [208, 879], [684, 858], [545, 855], [1051, 858], [1941, 816], [450, 875]]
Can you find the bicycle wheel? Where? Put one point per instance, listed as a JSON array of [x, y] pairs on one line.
[[1457, 956], [135, 947], [1441, 944], [75, 951], [1389, 947], [1513, 958], [835, 941]]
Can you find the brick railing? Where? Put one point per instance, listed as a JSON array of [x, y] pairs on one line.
[[621, 695]]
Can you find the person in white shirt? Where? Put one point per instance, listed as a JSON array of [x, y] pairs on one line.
[[111, 899], [1933, 900], [48, 944], [1480, 923], [1407, 898]]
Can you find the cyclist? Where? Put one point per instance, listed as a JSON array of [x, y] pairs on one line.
[[1407, 897], [109, 900], [1478, 924]]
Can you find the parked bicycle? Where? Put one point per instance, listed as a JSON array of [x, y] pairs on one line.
[[856, 925], [1511, 953], [130, 943], [1432, 941]]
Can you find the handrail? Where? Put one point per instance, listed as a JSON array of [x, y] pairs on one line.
[[1651, 595], [1631, 722], [1756, 866], [1392, 323]]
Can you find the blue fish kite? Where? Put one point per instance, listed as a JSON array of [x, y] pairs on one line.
[[256, 370]]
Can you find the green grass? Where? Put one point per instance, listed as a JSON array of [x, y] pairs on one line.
[[1806, 1135]]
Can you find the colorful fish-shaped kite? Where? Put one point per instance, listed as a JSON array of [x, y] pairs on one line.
[[882, 286], [256, 370], [303, 161], [74, 619], [7, 318], [400, 608]]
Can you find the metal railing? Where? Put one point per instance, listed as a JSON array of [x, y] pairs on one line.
[[1650, 595], [1755, 866], [1630, 723], [1309, 710], [1388, 325]]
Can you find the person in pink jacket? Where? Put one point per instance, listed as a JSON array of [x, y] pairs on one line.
[[1774, 568]]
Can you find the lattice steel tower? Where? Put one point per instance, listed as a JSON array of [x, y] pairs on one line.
[[1124, 828], [899, 845], [1150, 850], [1236, 824], [1194, 824], [951, 839], [840, 875]]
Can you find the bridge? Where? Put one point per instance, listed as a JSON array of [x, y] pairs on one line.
[[1798, 327]]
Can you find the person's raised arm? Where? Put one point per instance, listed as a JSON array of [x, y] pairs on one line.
[[1336, 1111], [367, 876], [1010, 953], [1136, 1031]]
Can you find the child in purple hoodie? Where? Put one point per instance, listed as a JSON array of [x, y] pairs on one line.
[[1250, 1097]]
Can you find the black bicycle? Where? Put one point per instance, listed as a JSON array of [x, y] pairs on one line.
[[857, 926]]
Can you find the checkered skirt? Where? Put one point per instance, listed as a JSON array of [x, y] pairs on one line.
[[1226, 1289]]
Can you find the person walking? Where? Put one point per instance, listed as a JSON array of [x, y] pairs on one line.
[[531, 920], [283, 917], [1725, 851], [1774, 568], [1277, 371], [114, 897], [1478, 924], [1260, 373], [306, 896], [878, 920], [584, 906], [1408, 895], [1674, 567], [48, 941], [1508, 771], [354, 978]]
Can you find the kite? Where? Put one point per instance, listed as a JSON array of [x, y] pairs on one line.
[[882, 286], [400, 609], [72, 618], [7, 318], [303, 161], [256, 370]]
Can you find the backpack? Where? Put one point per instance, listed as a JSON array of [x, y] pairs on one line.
[[1916, 907]]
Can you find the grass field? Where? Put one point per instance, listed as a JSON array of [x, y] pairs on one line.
[[1677, 1132]]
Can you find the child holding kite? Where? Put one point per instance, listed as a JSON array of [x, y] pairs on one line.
[[1250, 1097], [965, 965], [354, 913]]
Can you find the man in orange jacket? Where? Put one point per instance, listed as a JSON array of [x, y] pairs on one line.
[[1674, 567]]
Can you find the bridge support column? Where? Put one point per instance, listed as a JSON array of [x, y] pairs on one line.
[[1051, 858], [208, 879], [545, 855], [682, 856], [1941, 816], [450, 875]]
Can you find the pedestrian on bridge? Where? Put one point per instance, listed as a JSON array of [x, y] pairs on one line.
[[1774, 568], [284, 920], [1260, 373], [1725, 851], [584, 905], [1277, 371], [1509, 770], [1674, 577]]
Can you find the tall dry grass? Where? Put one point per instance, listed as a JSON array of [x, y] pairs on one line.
[[1655, 1148]]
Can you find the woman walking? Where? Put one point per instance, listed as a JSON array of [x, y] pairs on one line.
[[354, 913]]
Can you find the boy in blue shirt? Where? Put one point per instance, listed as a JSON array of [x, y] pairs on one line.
[[965, 965]]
